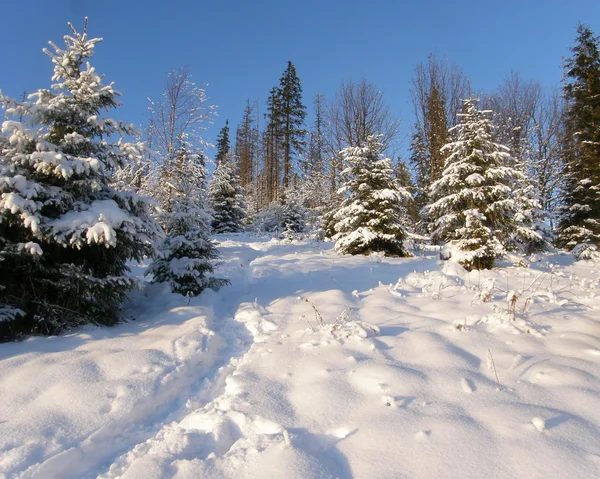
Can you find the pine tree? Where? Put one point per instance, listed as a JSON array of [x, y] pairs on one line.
[[65, 234], [293, 211], [226, 200], [223, 144], [420, 164], [186, 257], [246, 139], [371, 216], [474, 200], [314, 184], [272, 140], [580, 223], [405, 180], [292, 114]]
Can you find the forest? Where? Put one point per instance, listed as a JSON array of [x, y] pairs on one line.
[[84, 195]]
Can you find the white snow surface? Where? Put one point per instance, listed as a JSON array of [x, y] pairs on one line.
[[412, 368]]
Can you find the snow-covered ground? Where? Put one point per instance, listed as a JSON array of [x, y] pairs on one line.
[[419, 370]]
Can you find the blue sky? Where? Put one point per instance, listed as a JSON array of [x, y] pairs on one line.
[[240, 48]]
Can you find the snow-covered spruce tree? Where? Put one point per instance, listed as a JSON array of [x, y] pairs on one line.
[[580, 223], [371, 216], [293, 211], [328, 221], [65, 234], [186, 256], [226, 198], [474, 201]]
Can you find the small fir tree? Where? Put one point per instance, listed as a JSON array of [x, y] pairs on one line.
[[226, 200], [186, 257], [475, 202], [65, 234], [293, 211], [372, 215]]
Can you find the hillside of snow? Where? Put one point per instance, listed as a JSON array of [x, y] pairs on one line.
[[315, 365]]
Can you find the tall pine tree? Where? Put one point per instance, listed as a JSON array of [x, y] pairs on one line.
[[580, 223], [292, 114], [65, 234]]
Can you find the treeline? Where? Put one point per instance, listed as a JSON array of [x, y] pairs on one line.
[[514, 170], [550, 136]]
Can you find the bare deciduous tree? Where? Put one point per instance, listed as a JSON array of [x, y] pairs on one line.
[[182, 111], [514, 104], [357, 112], [179, 117], [544, 152], [436, 93]]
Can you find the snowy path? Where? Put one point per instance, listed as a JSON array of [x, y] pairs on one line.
[[403, 386]]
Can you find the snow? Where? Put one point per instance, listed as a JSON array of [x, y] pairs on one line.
[[420, 369], [99, 221]]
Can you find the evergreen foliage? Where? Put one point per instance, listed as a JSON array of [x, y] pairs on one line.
[[580, 222], [186, 257], [246, 139], [293, 211], [476, 201], [65, 234], [372, 214], [226, 200], [223, 144], [405, 180], [292, 113], [419, 161]]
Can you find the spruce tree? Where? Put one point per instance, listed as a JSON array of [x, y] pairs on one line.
[[292, 114], [223, 144], [246, 148], [65, 234], [419, 161], [580, 224], [293, 211], [405, 180], [186, 256], [372, 214], [226, 200], [475, 201], [272, 140]]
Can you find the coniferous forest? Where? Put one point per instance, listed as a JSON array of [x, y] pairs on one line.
[[512, 170], [295, 284]]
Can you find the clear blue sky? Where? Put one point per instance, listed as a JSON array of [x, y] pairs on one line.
[[240, 48]]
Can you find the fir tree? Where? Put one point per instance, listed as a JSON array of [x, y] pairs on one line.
[[580, 223], [186, 257], [292, 114], [371, 216], [65, 234], [419, 161], [405, 180], [226, 200], [272, 140], [223, 144], [293, 211], [246, 148], [475, 201]]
